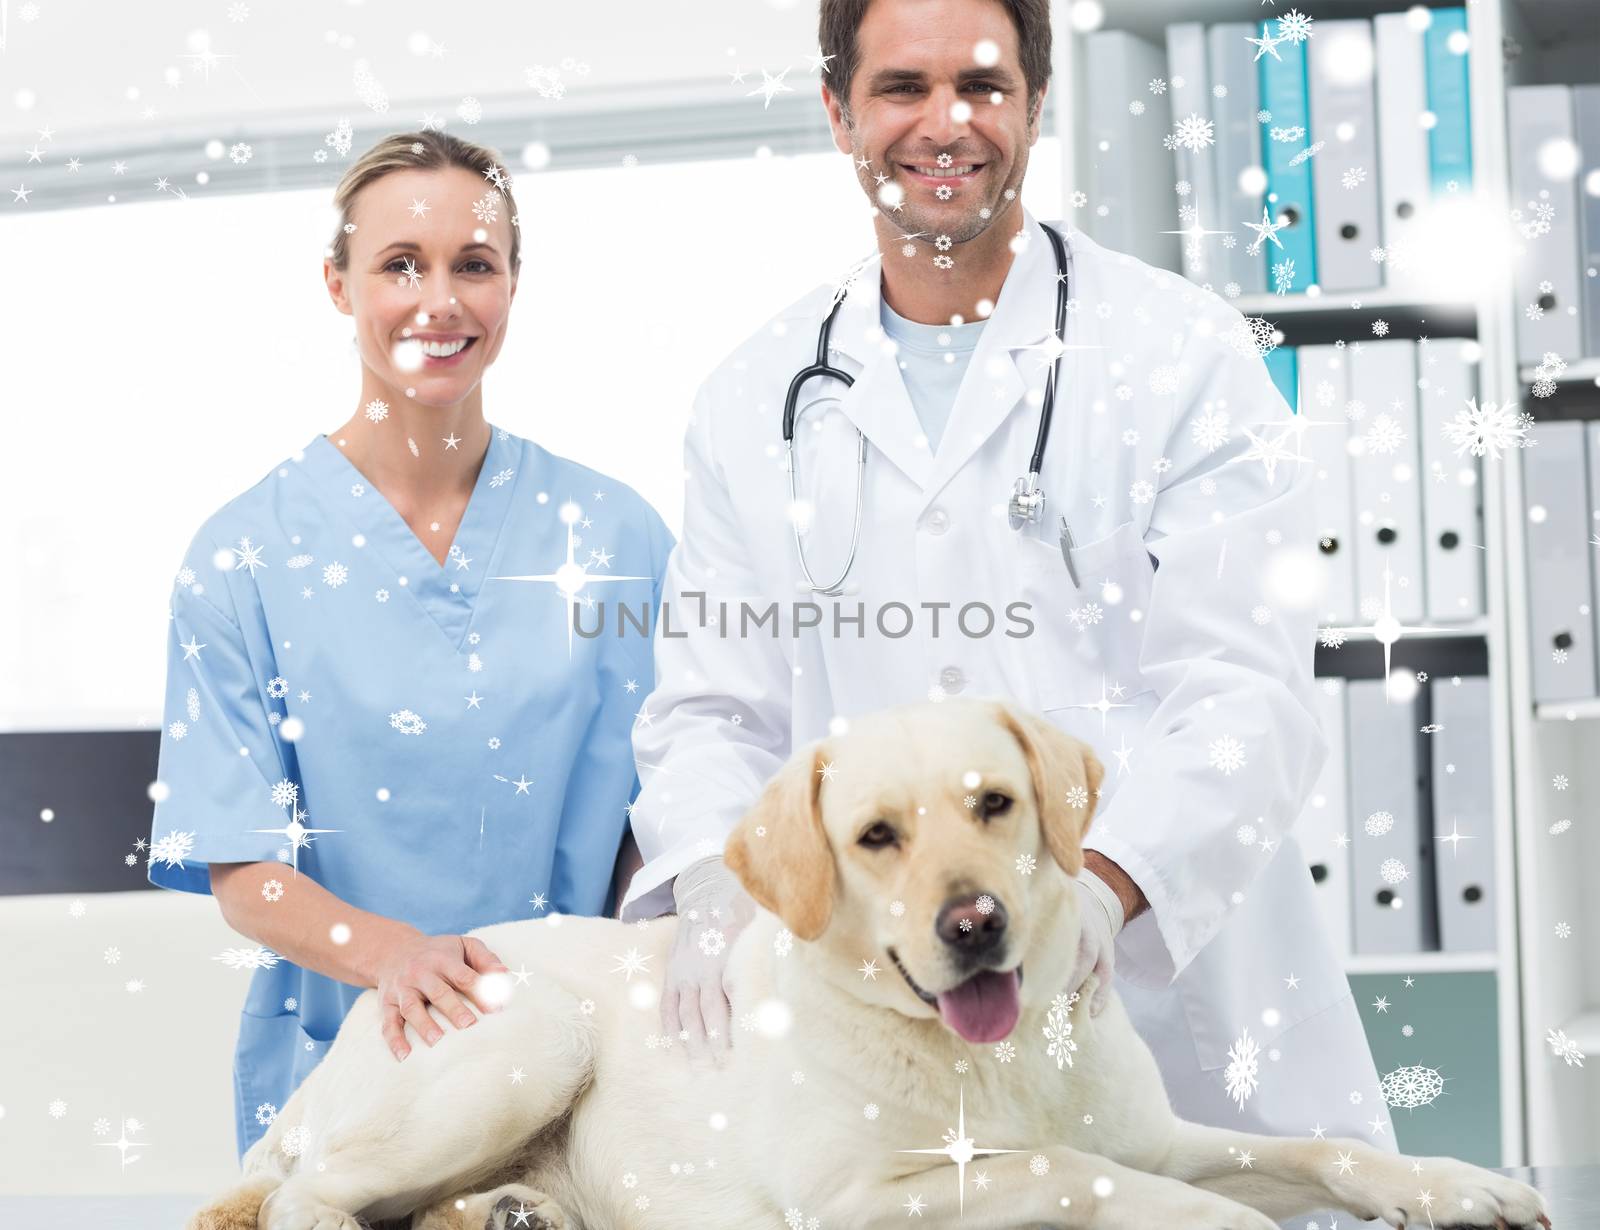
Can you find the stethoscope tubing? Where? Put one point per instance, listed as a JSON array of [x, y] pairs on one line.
[[822, 368]]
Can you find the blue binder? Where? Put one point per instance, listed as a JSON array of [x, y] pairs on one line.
[[1450, 139], [1284, 369], [1284, 93]]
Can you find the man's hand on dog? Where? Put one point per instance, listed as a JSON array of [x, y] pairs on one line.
[[696, 1001], [1097, 935]]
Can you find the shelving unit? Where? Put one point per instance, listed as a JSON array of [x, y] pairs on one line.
[[1583, 371], [1546, 1112], [1466, 628], [1424, 963], [1561, 985], [1567, 710], [1372, 302]]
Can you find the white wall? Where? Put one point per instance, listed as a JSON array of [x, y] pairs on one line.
[[88, 64], [73, 1033]]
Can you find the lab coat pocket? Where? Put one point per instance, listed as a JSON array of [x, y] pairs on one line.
[[1091, 631], [1240, 981], [1220, 1038]]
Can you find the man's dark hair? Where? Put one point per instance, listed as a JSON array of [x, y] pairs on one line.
[[840, 19]]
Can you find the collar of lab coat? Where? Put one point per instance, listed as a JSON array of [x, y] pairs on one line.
[[877, 403]]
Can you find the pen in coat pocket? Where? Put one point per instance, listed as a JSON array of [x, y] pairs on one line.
[[1066, 551]]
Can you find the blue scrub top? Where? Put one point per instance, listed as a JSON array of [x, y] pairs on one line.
[[472, 760]]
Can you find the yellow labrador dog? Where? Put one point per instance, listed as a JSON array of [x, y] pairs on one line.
[[914, 873]]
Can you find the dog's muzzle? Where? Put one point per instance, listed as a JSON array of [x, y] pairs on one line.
[[981, 1008]]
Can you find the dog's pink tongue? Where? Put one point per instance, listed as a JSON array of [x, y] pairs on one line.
[[984, 1008]]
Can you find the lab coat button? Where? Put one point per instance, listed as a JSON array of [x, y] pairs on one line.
[[936, 522], [951, 679]]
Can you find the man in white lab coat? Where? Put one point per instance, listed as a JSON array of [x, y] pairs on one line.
[[1182, 651]]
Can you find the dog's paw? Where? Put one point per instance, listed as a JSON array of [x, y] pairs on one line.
[[1453, 1195], [314, 1218], [238, 1210], [289, 1209], [516, 1206], [323, 1217]]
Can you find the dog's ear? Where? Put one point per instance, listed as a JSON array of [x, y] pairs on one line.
[[1058, 763], [780, 852]]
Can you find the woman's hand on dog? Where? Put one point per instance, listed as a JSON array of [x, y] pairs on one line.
[[423, 970], [696, 1002]]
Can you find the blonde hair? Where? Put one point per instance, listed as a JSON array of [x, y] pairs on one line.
[[404, 151]]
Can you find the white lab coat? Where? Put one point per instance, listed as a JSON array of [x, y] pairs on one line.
[[1194, 647]]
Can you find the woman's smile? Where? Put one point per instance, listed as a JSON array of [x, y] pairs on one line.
[[428, 353]]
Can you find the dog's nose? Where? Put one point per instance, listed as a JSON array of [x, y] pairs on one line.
[[972, 924]]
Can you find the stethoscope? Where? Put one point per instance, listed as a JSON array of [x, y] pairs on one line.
[[1027, 501]]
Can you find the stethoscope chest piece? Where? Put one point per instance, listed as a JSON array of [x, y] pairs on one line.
[[1027, 502]]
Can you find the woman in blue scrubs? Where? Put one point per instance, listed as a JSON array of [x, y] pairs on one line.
[[381, 730]]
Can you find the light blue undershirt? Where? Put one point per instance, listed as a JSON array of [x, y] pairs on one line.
[[933, 359]]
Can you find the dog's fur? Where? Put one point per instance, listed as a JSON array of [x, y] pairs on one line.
[[613, 1125]]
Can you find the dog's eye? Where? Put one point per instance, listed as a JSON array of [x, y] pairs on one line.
[[995, 804], [878, 836]]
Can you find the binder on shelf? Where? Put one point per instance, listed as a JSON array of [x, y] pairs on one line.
[[1283, 92], [1557, 520], [1391, 859], [1592, 432], [1326, 441], [1536, 115], [1326, 818], [1403, 188], [1388, 501], [1281, 366], [1445, 51], [1340, 66], [1462, 787], [1452, 492], [1186, 64], [1238, 149], [1124, 153], [1586, 124]]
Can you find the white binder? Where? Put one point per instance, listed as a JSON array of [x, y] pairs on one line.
[[1388, 503], [1557, 522], [1186, 64], [1536, 115], [1239, 134], [1462, 788], [1452, 490], [1403, 190], [1120, 67], [1324, 389], [1592, 431], [1339, 70], [1391, 860], [1586, 123], [1326, 818]]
